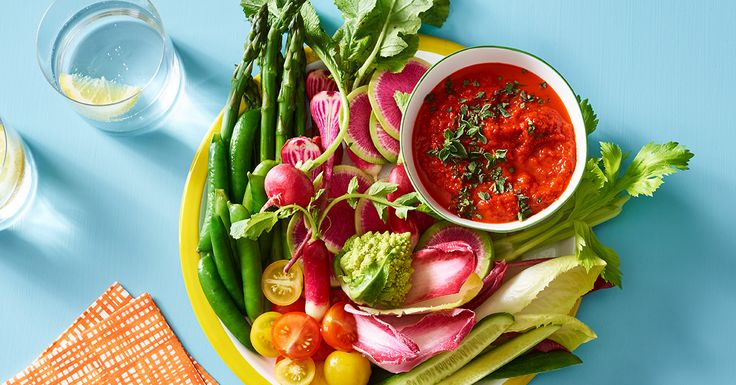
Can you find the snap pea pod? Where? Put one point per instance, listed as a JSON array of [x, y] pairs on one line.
[[256, 180], [250, 266], [241, 151], [221, 210], [220, 301], [217, 178], [248, 199], [224, 260]]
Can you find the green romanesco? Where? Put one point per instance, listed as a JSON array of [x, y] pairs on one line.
[[375, 268]]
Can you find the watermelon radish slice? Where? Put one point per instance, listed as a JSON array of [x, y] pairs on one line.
[[367, 219], [370, 168], [298, 150], [295, 232], [384, 85], [358, 138], [319, 80], [479, 241], [340, 224], [325, 109], [385, 143]]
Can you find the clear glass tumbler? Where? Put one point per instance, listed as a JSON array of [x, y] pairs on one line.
[[112, 60], [17, 177]]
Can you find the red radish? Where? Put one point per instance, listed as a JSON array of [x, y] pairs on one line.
[[369, 168], [318, 81], [286, 185], [298, 150], [316, 262], [325, 109], [408, 225]]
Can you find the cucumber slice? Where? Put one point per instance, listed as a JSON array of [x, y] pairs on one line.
[[489, 362], [434, 370]]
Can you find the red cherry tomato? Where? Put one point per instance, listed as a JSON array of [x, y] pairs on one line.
[[297, 306], [339, 329], [337, 295], [322, 353], [296, 335]]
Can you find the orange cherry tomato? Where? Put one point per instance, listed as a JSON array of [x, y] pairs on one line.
[[339, 329], [296, 335]]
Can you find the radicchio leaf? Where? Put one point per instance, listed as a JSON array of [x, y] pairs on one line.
[[398, 344]]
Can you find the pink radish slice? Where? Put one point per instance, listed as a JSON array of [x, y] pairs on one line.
[[317, 274], [480, 241], [440, 270], [367, 219], [383, 86], [298, 150], [370, 168], [325, 110], [385, 144], [358, 138], [319, 80], [340, 223]]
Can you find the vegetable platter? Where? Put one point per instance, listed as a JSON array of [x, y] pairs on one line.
[[333, 224]]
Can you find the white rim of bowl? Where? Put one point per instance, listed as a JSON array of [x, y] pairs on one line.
[[565, 93]]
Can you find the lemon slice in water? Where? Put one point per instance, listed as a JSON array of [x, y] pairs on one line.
[[105, 99]]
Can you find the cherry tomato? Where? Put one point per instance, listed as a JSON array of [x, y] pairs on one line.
[[260, 334], [343, 368], [338, 328], [293, 372], [322, 353], [279, 287], [296, 306], [296, 335], [319, 375]]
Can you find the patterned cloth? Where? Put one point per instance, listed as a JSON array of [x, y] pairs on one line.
[[117, 340]]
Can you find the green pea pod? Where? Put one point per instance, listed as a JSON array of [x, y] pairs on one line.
[[256, 180], [250, 266], [221, 210], [221, 302], [217, 178], [241, 151], [224, 261], [248, 199]]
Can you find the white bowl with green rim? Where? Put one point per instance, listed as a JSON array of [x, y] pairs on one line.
[[481, 55]]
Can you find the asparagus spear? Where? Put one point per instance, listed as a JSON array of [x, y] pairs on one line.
[[300, 93], [269, 78], [242, 79], [284, 125]]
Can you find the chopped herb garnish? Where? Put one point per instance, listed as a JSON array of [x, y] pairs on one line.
[[524, 71], [430, 97], [510, 88], [522, 105], [500, 77], [465, 206], [462, 100], [499, 181], [539, 200], [502, 110], [448, 86], [480, 95], [524, 210], [448, 109], [476, 83], [465, 82], [543, 85], [484, 195], [530, 127], [511, 170]]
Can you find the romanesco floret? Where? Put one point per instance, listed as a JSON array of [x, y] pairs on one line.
[[375, 268]]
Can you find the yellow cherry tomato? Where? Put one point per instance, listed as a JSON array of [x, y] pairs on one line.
[[291, 372], [279, 287], [319, 375], [343, 368], [260, 334]]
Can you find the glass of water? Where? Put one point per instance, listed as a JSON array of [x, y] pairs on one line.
[[112, 60], [17, 177]]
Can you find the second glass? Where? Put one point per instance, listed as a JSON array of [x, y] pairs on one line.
[[112, 60]]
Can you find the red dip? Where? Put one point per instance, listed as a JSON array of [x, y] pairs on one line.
[[494, 143]]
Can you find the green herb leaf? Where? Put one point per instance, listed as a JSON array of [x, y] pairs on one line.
[[381, 189], [654, 161], [352, 189], [436, 15], [589, 117], [588, 249], [254, 226]]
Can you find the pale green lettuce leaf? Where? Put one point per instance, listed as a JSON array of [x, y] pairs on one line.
[[552, 286], [572, 332]]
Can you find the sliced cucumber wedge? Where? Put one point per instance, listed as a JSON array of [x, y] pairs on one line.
[[487, 363], [434, 370]]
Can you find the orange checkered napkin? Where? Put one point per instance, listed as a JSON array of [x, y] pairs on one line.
[[117, 340]]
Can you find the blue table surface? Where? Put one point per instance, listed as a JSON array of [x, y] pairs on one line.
[[108, 207]]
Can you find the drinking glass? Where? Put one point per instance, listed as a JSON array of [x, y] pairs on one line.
[[17, 177], [112, 60]]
